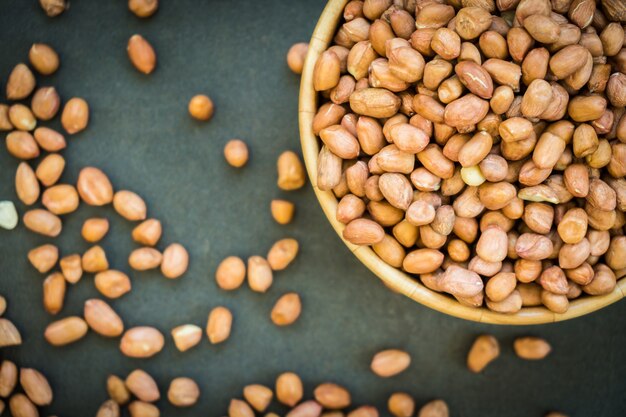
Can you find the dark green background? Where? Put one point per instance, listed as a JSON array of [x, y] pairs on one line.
[[141, 135]]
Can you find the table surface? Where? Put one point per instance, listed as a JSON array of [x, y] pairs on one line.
[[141, 135]]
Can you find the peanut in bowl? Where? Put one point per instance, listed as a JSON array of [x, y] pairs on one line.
[[465, 159]]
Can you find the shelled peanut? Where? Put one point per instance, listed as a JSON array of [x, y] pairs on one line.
[[480, 146]]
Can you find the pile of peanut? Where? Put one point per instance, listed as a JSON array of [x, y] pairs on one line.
[[481, 145]]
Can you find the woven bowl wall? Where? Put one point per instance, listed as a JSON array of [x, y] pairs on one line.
[[394, 278]]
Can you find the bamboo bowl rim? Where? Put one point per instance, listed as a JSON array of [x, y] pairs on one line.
[[394, 278]]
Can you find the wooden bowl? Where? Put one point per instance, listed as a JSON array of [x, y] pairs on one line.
[[394, 278]]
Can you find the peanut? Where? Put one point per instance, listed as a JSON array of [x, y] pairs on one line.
[[65, 331], [102, 319], [200, 106], [142, 386], [289, 389], [286, 310], [44, 257], [388, 363], [219, 325], [141, 342], [141, 54], [236, 153], [531, 348], [186, 336], [183, 392], [175, 261], [43, 58], [258, 396]]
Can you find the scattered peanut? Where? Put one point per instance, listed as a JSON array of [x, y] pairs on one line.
[[230, 273], [258, 396], [531, 348], [388, 363], [282, 253], [282, 211], [289, 389], [484, 350], [102, 319], [287, 309], [296, 55], [141, 54], [186, 336], [183, 392], [143, 8], [43, 58], [175, 261], [141, 342], [117, 390], [65, 331], [201, 107], [236, 153], [142, 386], [75, 115], [291, 174], [219, 325]]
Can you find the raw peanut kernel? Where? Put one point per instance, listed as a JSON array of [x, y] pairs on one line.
[[143, 259], [290, 171], [43, 58], [129, 205], [36, 386], [282, 253], [112, 284], [200, 107], [48, 139], [296, 55], [388, 363], [148, 232], [258, 396], [289, 389], [21, 406], [142, 386], [95, 229], [260, 275], [42, 222], [332, 396], [75, 115], [175, 261], [44, 257], [401, 404], [435, 408], [50, 169], [26, 184], [143, 8], [22, 145], [117, 390], [53, 8], [531, 348], [141, 54], [219, 325], [9, 335], [143, 409], [183, 392], [8, 377], [141, 342], [282, 211], [94, 187], [95, 260], [21, 83], [230, 273], [65, 331], [54, 293], [236, 153], [102, 319], [484, 350], [45, 103], [287, 309], [186, 336]]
